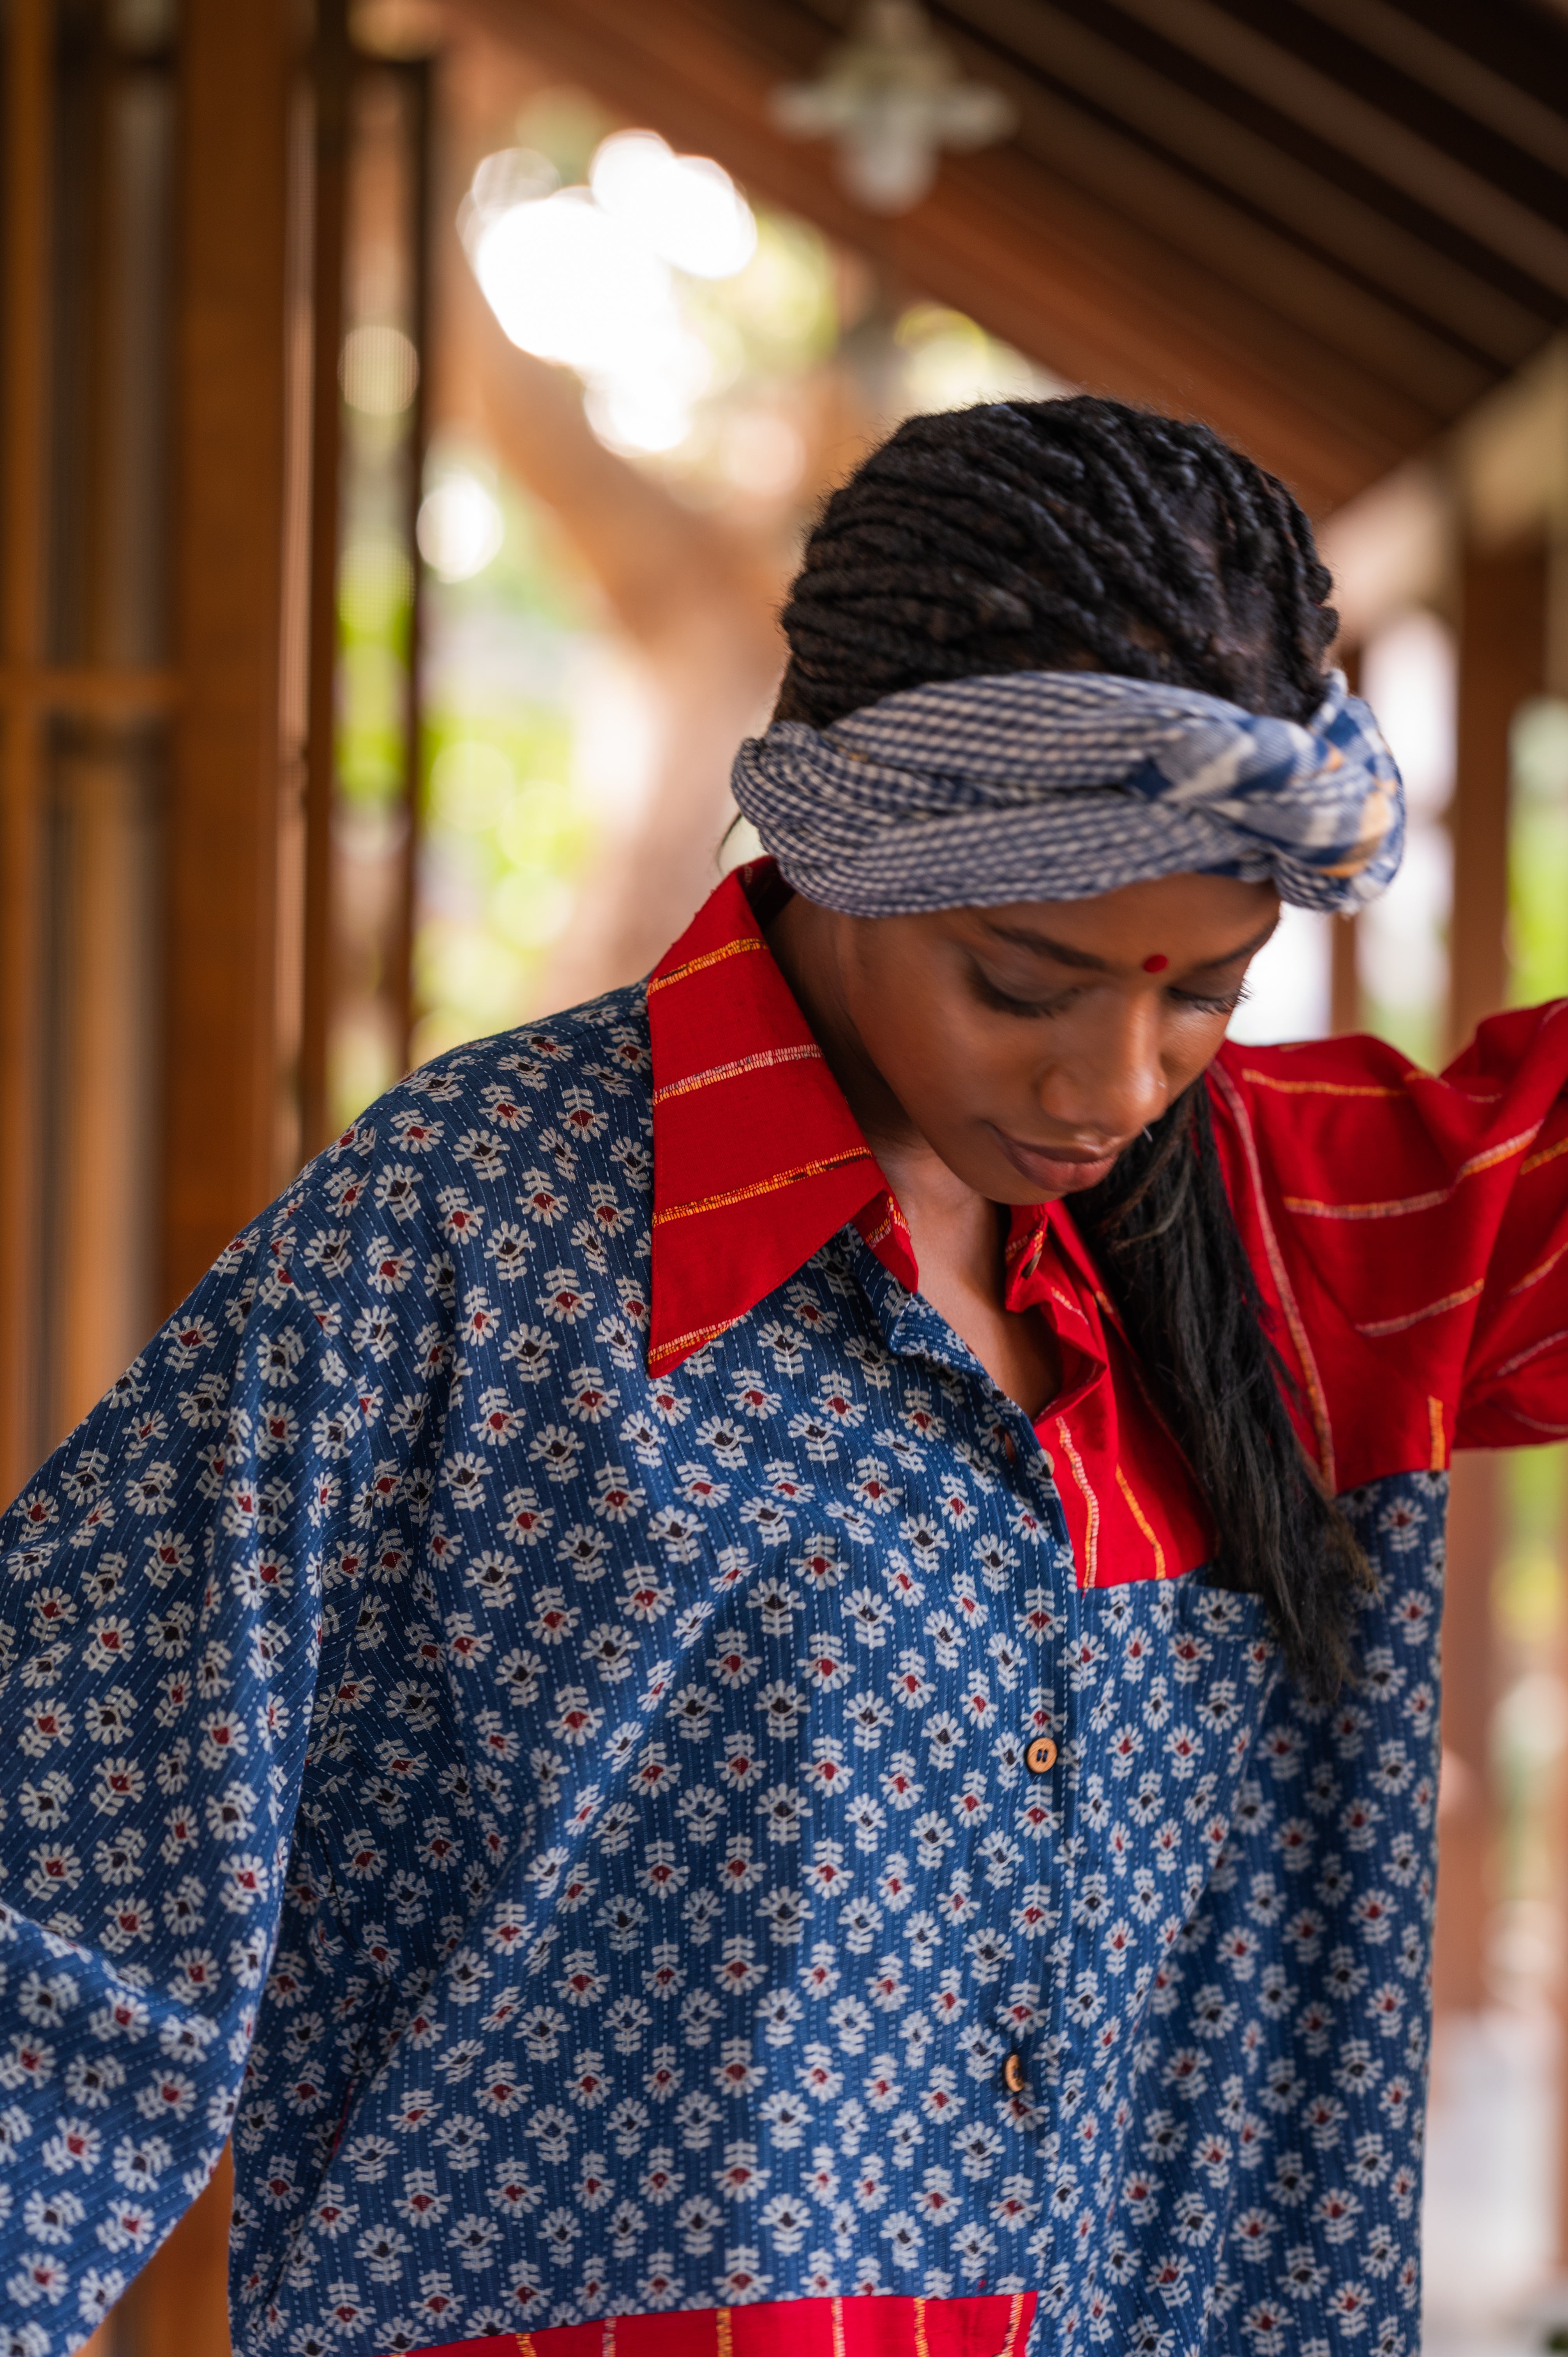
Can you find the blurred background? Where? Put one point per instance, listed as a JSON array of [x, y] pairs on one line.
[[410, 413]]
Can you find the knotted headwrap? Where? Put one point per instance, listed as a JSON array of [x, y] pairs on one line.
[[1040, 785]]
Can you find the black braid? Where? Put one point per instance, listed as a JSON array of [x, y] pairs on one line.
[[1035, 535], [1054, 534]]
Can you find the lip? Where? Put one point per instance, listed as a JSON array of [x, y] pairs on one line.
[[1055, 1169]]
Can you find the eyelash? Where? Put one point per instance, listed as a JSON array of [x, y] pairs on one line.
[[1031, 1008]]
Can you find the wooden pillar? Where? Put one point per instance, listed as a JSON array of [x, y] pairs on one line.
[[1502, 647], [24, 347], [1502, 660], [1344, 978], [220, 1077], [1466, 1818], [220, 1013], [333, 73], [1344, 974]]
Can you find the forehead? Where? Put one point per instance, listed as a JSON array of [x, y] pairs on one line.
[[1191, 919]]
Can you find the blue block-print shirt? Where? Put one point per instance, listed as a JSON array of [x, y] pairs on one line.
[[587, 1832]]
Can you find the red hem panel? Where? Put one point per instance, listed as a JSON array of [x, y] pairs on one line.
[[994, 2325]]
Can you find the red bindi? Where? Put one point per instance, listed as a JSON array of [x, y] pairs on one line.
[[1155, 964]]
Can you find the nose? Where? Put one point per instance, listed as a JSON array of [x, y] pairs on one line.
[[1107, 1080]]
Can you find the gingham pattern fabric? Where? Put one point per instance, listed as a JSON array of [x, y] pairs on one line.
[[575, 1826], [1101, 781]]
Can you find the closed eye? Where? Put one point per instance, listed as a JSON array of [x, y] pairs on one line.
[[1226, 1005], [989, 994], [1200, 1002]]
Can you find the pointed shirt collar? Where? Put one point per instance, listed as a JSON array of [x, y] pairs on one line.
[[758, 1159]]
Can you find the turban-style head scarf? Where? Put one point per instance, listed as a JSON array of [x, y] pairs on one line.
[[1045, 785]]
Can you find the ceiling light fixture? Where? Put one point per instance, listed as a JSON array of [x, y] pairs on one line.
[[891, 98]]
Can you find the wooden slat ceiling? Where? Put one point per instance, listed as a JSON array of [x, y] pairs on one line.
[[1328, 226]]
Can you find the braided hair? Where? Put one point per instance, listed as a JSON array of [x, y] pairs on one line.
[[1081, 534]]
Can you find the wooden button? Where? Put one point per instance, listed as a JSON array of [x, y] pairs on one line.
[[1041, 1756], [1012, 2074]]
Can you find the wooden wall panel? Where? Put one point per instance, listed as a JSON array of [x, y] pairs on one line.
[[220, 1037]]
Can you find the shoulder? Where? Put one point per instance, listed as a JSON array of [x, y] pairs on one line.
[[465, 1168], [573, 1086], [516, 1080]]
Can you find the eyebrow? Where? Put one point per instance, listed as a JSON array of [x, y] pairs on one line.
[[1023, 937]]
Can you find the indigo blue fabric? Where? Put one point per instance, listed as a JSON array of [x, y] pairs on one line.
[[575, 1827], [1102, 781]]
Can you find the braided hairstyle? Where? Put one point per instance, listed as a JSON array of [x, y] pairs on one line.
[[1081, 534]]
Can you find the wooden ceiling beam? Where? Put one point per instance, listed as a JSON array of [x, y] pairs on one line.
[[1336, 113], [1390, 366], [1015, 246], [1458, 131], [1326, 218], [1416, 49]]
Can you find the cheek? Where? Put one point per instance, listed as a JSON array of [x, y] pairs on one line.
[[1190, 1046], [931, 1048]]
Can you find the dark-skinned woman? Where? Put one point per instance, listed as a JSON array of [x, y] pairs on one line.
[[760, 1676]]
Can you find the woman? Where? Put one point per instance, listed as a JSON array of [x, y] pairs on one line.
[[806, 1599]]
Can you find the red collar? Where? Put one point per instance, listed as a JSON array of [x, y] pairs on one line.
[[757, 1160]]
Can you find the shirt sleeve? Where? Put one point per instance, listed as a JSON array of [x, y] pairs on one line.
[[160, 1627], [1410, 1231]]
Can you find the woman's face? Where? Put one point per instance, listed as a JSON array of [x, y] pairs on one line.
[[1030, 1044]]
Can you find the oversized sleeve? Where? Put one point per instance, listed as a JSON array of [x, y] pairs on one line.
[[1409, 1231], [161, 1623]]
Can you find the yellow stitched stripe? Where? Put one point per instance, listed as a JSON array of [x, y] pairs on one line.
[[682, 1343], [1143, 1522], [757, 1063], [892, 1219], [1320, 1088], [838, 2328], [1434, 1309], [1539, 1161], [922, 2346], [1014, 2322], [722, 2333], [1522, 1358], [759, 1186], [1396, 1209], [1542, 1268], [1439, 1436], [697, 965], [1310, 1207], [1091, 1504]]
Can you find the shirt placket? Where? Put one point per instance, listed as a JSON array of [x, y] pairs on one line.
[[1027, 2015]]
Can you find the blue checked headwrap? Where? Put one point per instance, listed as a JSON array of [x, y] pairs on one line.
[[1043, 785]]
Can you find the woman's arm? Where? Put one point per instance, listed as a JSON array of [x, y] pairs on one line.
[[1409, 1230], [161, 1619]]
